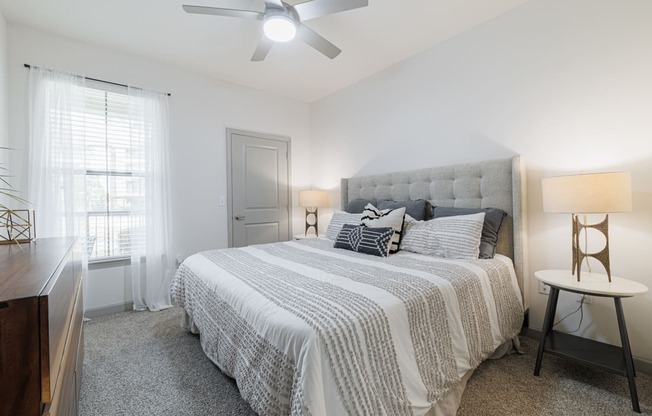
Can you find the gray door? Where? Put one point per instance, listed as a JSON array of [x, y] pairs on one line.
[[258, 187]]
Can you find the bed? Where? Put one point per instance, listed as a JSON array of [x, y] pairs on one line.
[[309, 329]]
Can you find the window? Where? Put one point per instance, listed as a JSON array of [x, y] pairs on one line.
[[98, 168], [109, 133]]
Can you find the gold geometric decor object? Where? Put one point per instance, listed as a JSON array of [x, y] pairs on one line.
[[17, 226], [578, 255], [312, 200], [312, 220]]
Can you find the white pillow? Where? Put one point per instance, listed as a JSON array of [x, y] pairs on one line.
[[456, 237], [418, 237], [372, 217], [339, 219]]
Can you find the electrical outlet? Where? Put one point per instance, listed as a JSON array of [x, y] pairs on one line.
[[587, 299], [544, 288]]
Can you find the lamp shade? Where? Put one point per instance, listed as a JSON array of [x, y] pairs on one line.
[[588, 193], [312, 199]]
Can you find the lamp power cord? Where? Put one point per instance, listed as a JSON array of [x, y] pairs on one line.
[[579, 309]]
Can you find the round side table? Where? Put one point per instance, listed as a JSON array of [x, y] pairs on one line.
[[597, 354]]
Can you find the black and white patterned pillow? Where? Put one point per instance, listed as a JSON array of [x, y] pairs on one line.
[[339, 219], [363, 239], [373, 217]]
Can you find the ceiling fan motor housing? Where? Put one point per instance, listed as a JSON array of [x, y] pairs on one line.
[[287, 12]]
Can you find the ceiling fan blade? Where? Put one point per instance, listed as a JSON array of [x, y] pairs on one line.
[[317, 8], [317, 41], [262, 49], [217, 11], [274, 3]]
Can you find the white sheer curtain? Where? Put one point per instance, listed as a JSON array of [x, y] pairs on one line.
[[58, 172], [56, 185], [151, 263]]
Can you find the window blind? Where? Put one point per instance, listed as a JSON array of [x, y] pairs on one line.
[[109, 136]]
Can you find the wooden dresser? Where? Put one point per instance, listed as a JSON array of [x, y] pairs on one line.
[[41, 327]]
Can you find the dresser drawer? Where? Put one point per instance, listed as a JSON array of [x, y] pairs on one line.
[[64, 399], [56, 307]]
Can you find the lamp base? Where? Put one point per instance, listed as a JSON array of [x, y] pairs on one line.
[[578, 255], [314, 224]]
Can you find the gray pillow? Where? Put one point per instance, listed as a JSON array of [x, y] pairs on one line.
[[493, 219], [420, 209], [357, 205]]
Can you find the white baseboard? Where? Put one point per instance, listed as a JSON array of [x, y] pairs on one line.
[[99, 311]]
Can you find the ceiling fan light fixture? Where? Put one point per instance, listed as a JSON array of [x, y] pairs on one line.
[[280, 28]]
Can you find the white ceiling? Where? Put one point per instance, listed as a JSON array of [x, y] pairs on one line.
[[371, 38]]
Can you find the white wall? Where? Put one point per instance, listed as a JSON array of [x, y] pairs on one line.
[[200, 110], [4, 141], [565, 84], [4, 125]]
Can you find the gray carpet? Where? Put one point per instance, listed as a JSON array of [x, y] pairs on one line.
[[146, 364]]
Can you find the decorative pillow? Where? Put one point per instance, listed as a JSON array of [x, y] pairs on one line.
[[372, 217], [339, 219], [455, 237], [357, 205], [493, 220], [418, 237], [419, 209], [363, 239]]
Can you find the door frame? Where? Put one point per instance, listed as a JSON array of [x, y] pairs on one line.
[[229, 184]]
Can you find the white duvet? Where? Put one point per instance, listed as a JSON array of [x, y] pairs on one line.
[[307, 329]]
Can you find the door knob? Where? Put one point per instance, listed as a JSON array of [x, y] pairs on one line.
[[239, 217]]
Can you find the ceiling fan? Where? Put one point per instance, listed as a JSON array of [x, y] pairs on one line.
[[282, 22]]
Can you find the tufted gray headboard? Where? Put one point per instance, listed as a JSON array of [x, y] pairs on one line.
[[486, 184]]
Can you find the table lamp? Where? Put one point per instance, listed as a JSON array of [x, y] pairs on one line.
[[312, 200], [592, 193]]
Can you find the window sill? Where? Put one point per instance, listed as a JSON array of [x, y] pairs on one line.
[[107, 263], [111, 262]]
